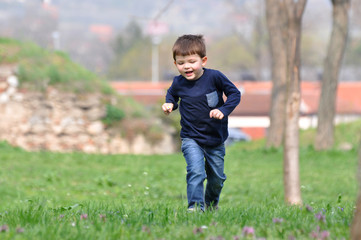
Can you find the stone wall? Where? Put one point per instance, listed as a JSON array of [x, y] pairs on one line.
[[64, 122]]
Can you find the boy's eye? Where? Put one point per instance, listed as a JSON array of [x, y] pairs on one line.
[[180, 63]]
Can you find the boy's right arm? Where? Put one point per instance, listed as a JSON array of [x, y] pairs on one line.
[[171, 101], [167, 108]]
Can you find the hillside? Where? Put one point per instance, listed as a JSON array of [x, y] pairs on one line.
[[39, 68], [60, 106]]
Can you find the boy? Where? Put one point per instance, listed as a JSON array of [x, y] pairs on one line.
[[204, 119]]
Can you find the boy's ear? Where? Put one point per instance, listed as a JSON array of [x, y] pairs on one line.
[[204, 60]]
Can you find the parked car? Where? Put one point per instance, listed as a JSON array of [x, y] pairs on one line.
[[236, 135]]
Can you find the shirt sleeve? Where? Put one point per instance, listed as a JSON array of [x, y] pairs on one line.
[[232, 93], [171, 97]]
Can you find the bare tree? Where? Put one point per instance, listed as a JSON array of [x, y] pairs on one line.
[[356, 222], [276, 24], [284, 23], [294, 10], [255, 41], [36, 24], [332, 65]]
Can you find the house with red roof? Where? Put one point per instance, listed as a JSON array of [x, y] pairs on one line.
[[102, 31], [252, 114]]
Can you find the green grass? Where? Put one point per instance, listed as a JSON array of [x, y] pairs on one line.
[[78, 196]]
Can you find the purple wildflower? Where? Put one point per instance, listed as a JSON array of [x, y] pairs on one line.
[[198, 230], [84, 216], [20, 230], [102, 217], [291, 237], [277, 220], [309, 208], [248, 231], [314, 234], [4, 228], [341, 208], [320, 235], [214, 223], [320, 217], [325, 234], [146, 229], [236, 238]]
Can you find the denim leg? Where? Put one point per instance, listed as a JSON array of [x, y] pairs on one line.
[[196, 174], [215, 174]]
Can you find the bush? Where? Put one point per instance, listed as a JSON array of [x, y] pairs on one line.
[[113, 115]]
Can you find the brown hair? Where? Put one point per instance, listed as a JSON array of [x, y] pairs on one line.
[[188, 45]]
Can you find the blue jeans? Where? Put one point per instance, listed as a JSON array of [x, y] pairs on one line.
[[203, 163]]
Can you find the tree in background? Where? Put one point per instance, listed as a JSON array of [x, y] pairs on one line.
[[352, 56], [276, 23], [332, 65], [248, 24], [230, 54], [35, 24], [294, 10], [285, 21], [132, 55]]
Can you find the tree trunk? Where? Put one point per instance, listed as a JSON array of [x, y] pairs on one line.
[[356, 222], [276, 24], [332, 65], [294, 10]]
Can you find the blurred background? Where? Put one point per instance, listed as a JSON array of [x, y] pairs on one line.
[[128, 44], [131, 40]]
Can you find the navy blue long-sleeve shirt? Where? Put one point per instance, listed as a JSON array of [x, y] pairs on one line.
[[197, 99]]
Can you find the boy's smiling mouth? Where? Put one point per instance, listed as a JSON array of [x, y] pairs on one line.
[[189, 73]]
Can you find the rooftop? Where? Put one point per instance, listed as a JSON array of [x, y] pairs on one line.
[[256, 96]]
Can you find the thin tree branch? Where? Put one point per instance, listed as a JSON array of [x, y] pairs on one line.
[[163, 10]]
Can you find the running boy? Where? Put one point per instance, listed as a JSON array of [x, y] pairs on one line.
[[204, 119]]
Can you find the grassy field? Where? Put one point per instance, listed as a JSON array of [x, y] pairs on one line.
[[77, 196]]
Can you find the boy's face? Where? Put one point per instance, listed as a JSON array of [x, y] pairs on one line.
[[190, 66]]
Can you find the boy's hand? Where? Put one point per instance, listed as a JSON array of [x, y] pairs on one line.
[[217, 114], [167, 108]]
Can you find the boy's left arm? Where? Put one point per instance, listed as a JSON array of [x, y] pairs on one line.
[[233, 97]]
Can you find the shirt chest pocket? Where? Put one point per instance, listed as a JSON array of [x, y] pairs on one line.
[[212, 99]]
